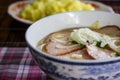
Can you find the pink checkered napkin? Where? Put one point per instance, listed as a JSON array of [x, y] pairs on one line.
[[18, 64]]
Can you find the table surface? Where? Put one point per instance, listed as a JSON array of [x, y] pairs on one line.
[[12, 32]]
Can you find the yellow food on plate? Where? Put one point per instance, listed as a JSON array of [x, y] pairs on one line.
[[41, 8]]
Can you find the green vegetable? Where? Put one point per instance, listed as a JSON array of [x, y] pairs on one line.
[[85, 36], [115, 46], [117, 53], [98, 43], [80, 44], [74, 42]]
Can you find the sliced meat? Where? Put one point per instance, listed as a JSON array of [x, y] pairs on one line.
[[57, 49], [99, 53], [83, 52], [61, 37], [58, 43], [115, 30], [78, 55]]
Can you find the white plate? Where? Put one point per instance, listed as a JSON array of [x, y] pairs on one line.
[[15, 8]]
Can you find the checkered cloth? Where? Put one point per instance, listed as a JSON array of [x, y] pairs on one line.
[[18, 64]]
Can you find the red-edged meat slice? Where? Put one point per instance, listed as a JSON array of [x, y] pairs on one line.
[[110, 28], [62, 36], [82, 52], [99, 53], [53, 49]]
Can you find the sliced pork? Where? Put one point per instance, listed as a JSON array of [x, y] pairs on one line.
[[99, 53]]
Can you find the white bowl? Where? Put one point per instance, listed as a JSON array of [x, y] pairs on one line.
[[62, 69]]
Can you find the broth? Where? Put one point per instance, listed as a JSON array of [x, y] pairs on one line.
[[83, 43]]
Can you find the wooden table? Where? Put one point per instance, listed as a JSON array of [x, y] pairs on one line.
[[12, 32]]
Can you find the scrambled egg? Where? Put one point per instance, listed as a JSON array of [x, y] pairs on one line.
[[41, 8]]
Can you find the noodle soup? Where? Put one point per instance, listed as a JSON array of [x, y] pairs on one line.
[[83, 43]]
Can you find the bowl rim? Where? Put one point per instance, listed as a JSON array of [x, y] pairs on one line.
[[68, 61]]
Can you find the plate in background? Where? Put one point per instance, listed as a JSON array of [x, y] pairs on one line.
[[15, 8]]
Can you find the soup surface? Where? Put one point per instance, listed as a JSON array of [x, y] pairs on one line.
[[83, 43]]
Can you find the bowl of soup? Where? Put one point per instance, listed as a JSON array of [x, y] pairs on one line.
[[79, 45]]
